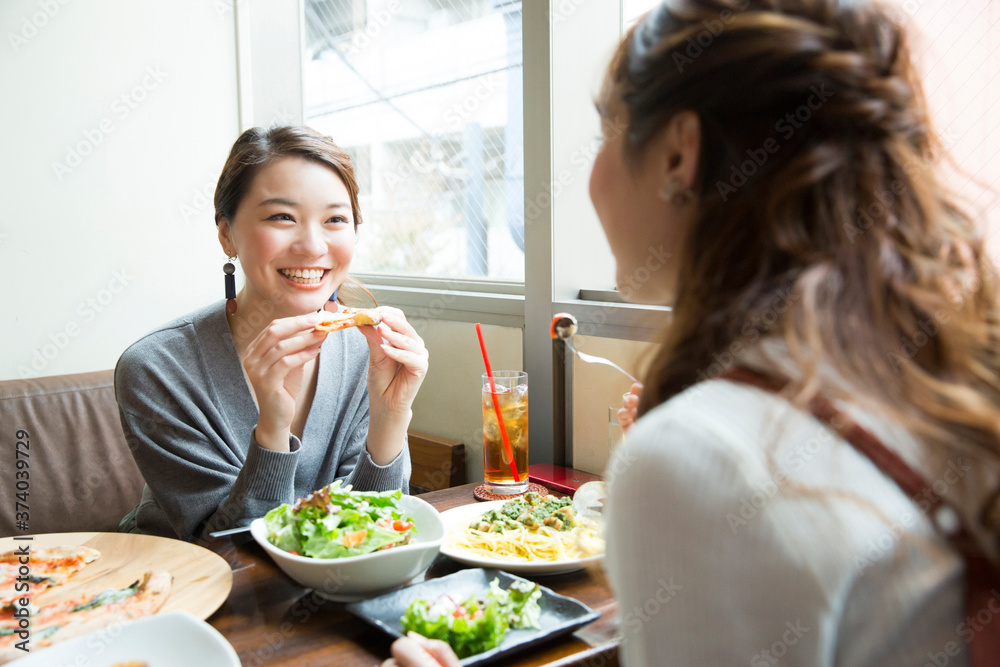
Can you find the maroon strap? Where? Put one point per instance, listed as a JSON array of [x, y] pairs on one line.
[[982, 579]]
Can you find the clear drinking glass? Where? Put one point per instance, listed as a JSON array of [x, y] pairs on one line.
[[615, 432], [512, 396]]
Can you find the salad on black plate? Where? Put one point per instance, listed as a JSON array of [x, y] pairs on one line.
[[479, 622]]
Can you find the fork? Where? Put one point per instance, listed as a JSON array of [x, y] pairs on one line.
[[591, 359]]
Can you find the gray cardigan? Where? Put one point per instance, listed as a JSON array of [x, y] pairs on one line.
[[189, 416]]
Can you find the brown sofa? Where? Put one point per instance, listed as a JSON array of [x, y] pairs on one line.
[[81, 476]]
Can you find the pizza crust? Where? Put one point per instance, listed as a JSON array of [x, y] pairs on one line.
[[86, 554]]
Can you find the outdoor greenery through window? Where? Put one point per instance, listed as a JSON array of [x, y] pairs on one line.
[[426, 95]]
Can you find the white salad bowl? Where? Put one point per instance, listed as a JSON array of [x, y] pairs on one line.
[[357, 577]]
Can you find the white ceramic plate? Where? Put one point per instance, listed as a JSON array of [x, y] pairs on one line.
[[173, 639], [458, 518]]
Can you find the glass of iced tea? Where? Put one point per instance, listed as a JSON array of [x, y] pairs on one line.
[[512, 394]]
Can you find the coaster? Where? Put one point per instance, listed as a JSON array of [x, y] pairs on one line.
[[482, 494]]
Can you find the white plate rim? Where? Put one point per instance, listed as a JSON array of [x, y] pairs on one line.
[[465, 513], [84, 645]]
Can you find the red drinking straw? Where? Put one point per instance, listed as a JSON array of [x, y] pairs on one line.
[[496, 404]]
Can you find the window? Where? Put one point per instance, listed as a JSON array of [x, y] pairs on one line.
[[954, 45], [427, 97], [632, 10]]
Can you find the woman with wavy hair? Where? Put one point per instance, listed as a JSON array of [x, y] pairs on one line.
[[781, 150], [790, 165]]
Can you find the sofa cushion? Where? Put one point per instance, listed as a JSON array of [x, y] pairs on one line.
[[81, 474]]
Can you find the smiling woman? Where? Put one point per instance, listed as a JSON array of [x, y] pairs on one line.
[[217, 405]]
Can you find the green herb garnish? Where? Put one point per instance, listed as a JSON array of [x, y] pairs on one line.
[[108, 597]]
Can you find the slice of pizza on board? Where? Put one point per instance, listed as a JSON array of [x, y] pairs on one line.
[[46, 567], [65, 620]]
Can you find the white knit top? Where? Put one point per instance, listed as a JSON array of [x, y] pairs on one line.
[[742, 532]]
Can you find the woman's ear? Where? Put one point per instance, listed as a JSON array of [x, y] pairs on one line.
[[226, 236], [680, 150]]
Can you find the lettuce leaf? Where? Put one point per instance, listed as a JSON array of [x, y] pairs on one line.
[[469, 632], [321, 522]]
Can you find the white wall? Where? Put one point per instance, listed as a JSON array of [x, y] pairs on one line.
[[596, 388], [584, 36], [117, 118]]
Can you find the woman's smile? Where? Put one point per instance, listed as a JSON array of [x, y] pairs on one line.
[[309, 278]]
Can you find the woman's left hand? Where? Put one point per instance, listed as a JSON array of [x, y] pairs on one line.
[[396, 367], [630, 407]]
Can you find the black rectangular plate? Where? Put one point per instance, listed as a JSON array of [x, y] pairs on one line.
[[560, 614]]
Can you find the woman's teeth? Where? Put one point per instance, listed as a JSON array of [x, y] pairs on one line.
[[303, 276]]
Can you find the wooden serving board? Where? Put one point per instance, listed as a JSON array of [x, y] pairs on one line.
[[202, 579]]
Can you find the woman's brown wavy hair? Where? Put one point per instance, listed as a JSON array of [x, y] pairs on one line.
[[821, 217]]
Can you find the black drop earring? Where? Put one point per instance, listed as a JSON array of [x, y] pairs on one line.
[[230, 270], [333, 300]]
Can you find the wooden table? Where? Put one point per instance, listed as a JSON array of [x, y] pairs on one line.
[[271, 620]]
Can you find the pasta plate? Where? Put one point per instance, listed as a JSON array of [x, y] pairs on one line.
[[458, 518]]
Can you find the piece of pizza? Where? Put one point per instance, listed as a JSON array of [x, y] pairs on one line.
[[47, 567], [65, 620], [349, 317]]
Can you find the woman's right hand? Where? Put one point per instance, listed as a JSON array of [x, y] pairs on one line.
[[630, 405], [414, 650], [274, 363]]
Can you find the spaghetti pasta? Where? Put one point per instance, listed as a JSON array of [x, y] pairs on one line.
[[531, 529], [525, 544]]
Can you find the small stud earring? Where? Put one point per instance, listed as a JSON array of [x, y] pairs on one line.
[[675, 192], [670, 190]]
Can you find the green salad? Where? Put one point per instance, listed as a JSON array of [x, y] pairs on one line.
[[478, 623], [335, 522]]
